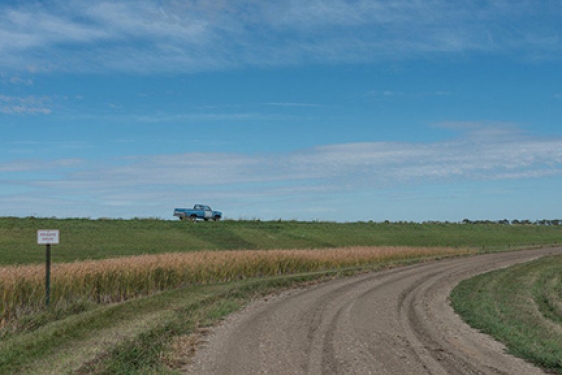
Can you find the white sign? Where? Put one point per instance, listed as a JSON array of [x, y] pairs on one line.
[[48, 237]]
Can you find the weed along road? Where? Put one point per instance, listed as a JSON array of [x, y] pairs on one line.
[[398, 321]]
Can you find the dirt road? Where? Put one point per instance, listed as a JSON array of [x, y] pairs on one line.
[[392, 322]]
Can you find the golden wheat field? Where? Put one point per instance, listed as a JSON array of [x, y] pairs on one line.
[[22, 288]]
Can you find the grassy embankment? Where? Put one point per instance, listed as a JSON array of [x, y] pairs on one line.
[[83, 239], [520, 306], [150, 334]]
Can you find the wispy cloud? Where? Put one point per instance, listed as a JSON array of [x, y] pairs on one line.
[[28, 165], [481, 153], [16, 80], [201, 117], [390, 94], [293, 105], [193, 36], [25, 105]]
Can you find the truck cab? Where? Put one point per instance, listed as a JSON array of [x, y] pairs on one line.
[[207, 211], [199, 211]]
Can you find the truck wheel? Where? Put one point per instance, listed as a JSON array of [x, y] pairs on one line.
[[217, 218]]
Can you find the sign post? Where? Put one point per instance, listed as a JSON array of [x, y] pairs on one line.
[[48, 237], [48, 275]]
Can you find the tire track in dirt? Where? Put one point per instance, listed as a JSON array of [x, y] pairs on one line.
[[397, 321]]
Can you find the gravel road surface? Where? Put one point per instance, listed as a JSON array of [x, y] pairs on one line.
[[397, 321]]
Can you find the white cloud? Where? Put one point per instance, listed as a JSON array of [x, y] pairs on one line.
[[193, 36], [16, 80], [25, 105], [293, 105], [480, 153], [39, 165], [36, 27]]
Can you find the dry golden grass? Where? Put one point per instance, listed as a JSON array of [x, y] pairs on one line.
[[22, 288]]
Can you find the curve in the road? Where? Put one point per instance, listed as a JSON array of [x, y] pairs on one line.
[[397, 321]]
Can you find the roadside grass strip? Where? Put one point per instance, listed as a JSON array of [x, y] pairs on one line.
[[64, 346], [116, 280], [150, 335], [520, 306]]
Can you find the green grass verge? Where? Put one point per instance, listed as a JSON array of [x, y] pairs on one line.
[[134, 337], [520, 306], [98, 239]]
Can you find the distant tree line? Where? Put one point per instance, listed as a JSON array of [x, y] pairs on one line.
[[544, 222]]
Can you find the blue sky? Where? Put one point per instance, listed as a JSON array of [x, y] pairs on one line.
[[310, 110]]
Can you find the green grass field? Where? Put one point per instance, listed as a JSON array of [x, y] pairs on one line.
[[155, 334], [520, 306], [99, 239]]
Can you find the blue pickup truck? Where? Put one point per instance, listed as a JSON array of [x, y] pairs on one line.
[[199, 211]]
